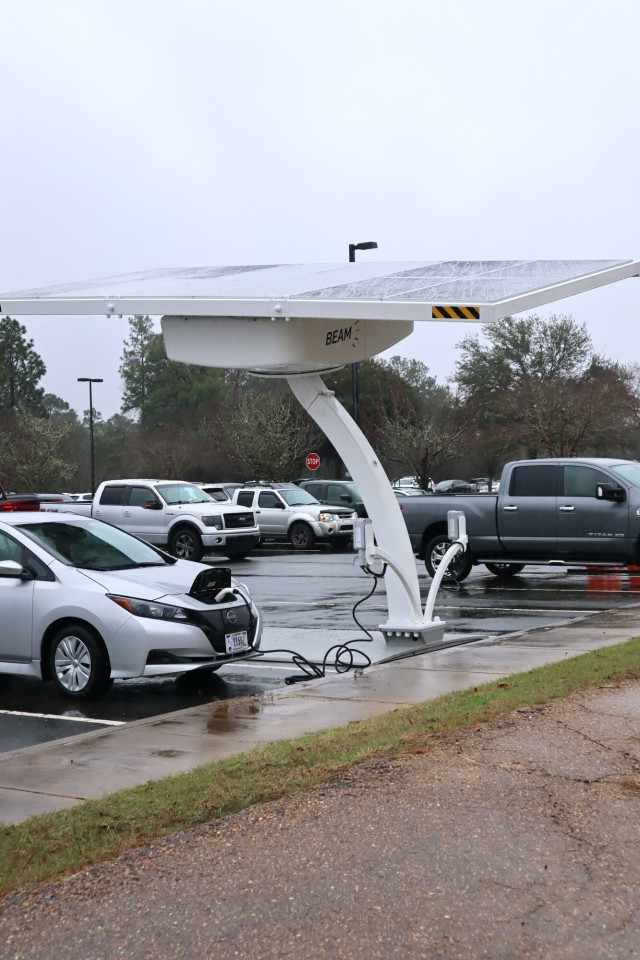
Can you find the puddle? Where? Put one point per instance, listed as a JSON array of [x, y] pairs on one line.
[[229, 716]]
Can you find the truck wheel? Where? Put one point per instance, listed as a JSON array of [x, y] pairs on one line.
[[79, 663], [505, 569], [459, 568], [186, 544], [301, 536]]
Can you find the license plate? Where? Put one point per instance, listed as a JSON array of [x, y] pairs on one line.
[[236, 642]]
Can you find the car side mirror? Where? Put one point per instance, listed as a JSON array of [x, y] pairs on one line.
[[152, 505], [14, 570], [609, 491]]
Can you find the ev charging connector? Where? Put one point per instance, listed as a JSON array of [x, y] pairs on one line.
[[457, 526], [363, 540], [457, 533]]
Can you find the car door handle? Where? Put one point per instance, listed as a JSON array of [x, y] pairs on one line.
[[566, 509], [510, 509], [127, 513]]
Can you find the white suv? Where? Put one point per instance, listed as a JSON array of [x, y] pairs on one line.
[[285, 511]]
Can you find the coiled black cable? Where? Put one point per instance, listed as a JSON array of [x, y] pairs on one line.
[[345, 658]]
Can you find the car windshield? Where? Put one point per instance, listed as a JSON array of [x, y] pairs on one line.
[[297, 497], [175, 493], [93, 546], [629, 472]]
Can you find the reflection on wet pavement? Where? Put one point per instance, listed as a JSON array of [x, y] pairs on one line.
[[232, 716]]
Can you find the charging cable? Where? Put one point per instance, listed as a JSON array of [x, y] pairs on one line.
[[345, 658], [340, 656]]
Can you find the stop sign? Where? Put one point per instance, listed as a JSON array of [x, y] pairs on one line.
[[312, 461]]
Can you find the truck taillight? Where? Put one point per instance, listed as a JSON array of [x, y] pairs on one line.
[[12, 506]]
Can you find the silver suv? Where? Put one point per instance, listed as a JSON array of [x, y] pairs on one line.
[[286, 512]]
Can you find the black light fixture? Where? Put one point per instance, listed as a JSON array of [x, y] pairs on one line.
[[355, 381], [91, 381], [369, 245]]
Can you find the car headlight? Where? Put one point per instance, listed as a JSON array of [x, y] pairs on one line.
[[213, 520], [326, 518], [149, 608]]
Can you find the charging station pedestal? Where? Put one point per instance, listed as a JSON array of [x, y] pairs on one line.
[[393, 547]]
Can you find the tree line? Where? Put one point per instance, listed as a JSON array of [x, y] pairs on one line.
[[522, 387]]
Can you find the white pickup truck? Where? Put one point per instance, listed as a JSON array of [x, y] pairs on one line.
[[172, 514]]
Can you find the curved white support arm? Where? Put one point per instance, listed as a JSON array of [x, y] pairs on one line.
[[401, 578]]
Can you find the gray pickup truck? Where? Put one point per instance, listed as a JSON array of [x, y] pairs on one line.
[[573, 511]]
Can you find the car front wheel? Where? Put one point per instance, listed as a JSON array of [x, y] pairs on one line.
[[301, 536], [79, 663], [459, 568], [186, 544]]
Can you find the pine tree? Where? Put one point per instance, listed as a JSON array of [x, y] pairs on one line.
[[21, 368]]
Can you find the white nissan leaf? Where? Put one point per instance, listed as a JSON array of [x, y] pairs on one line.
[[83, 603]]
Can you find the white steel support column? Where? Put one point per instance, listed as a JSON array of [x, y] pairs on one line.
[[406, 618]]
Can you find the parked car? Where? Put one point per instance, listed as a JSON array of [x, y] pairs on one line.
[[411, 484], [84, 602], [454, 486], [216, 492], [47, 497], [481, 484], [220, 492], [10, 502], [337, 493], [284, 511]]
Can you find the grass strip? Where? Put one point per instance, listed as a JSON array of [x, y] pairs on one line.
[[54, 845]]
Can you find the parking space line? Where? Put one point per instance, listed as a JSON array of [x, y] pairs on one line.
[[58, 716]]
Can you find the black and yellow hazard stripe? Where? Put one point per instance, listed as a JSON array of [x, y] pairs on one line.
[[455, 313]]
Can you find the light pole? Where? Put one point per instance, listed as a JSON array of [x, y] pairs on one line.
[[355, 380], [90, 381]]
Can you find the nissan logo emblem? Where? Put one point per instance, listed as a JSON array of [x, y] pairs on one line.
[[231, 616]]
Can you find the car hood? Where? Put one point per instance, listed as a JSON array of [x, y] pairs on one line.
[[315, 509], [149, 583], [203, 509]]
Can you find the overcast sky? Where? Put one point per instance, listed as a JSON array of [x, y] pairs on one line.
[[146, 133]]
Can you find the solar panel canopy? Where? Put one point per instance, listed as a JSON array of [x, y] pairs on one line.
[[483, 290]]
